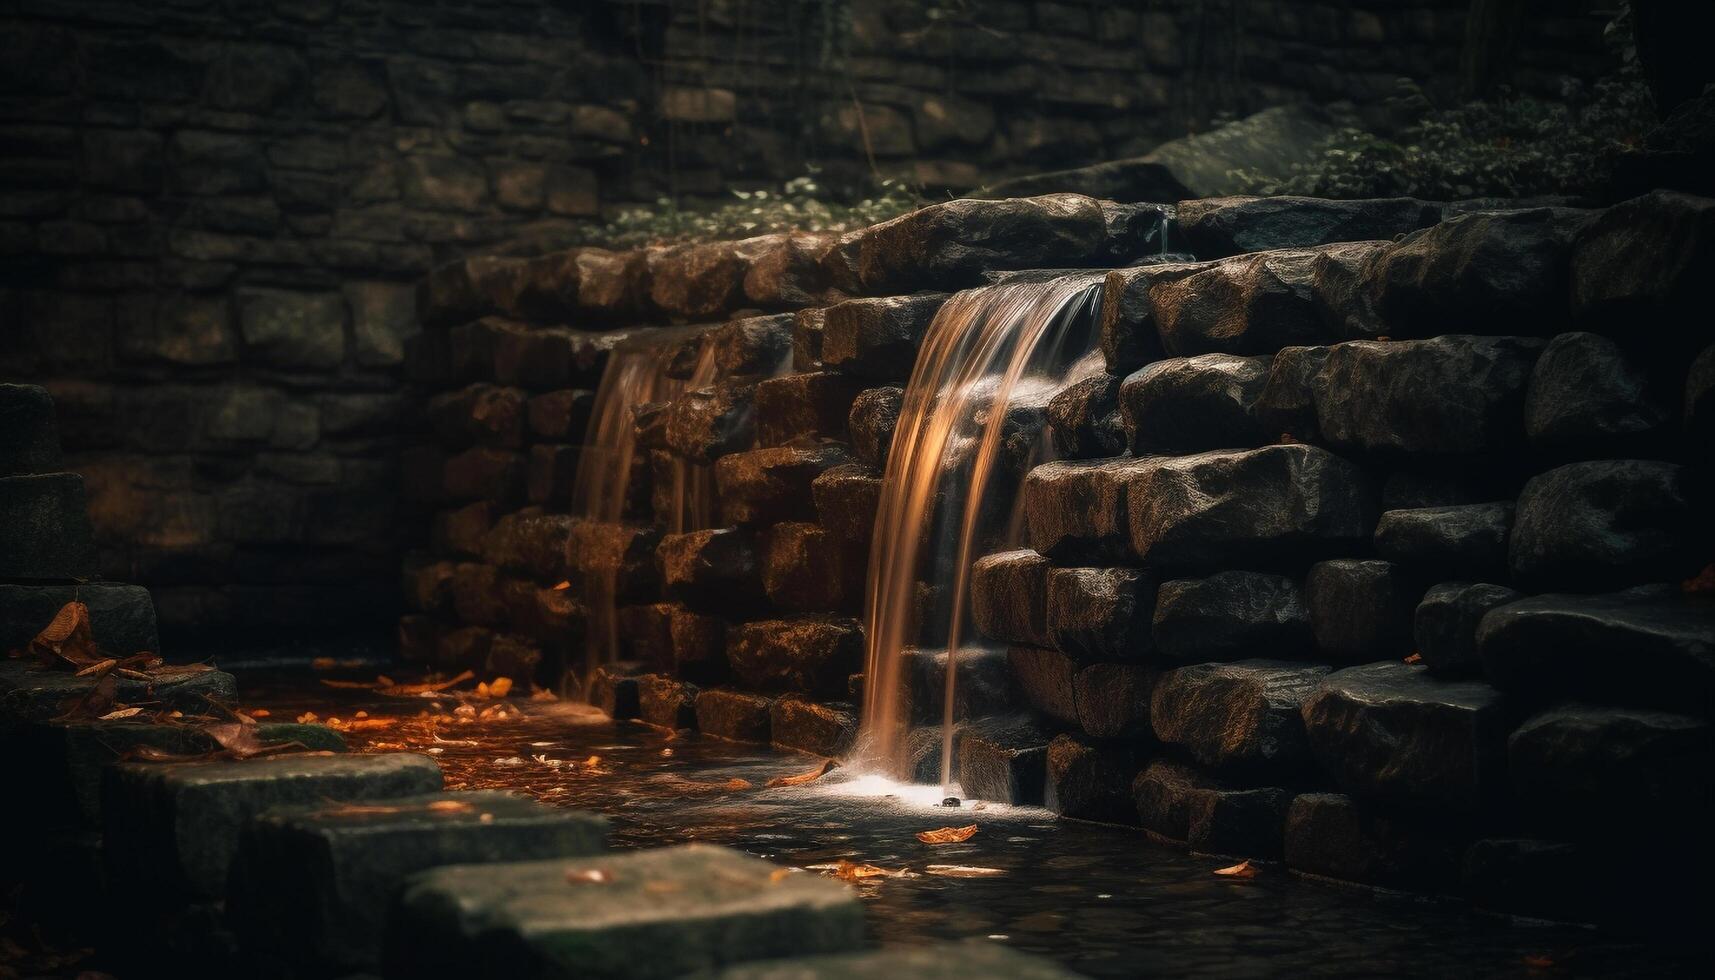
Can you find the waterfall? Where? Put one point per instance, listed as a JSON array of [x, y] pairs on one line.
[[987, 352]]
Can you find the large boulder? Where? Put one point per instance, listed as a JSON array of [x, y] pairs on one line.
[[1190, 404], [1100, 614], [1248, 304], [1285, 408], [1216, 227], [1645, 264], [1239, 716], [1009, 597], [1446, 396], [1587, 397], [1113, 700], [810, 655], [1466, 539], [1653, 645], [1361, 610], [1084, 419], [1393, 733], [1047, 679], [1445, 625], [1230, 616], [1608, 523], [1490, 272], [1090, 781], [877, 339]]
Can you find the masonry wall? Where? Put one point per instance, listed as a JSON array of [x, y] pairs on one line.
[[211, 211]]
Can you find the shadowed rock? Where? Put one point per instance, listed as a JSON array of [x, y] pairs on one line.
[[1191, 404], [705, 424], [1361, 610], [805, 568], [712, 571], [697, 281], [1608, 523], [1003, 760], [733, 715], [772, 485], [1100, 614], [876, 339], [699, 645], [666, 702], [44, 528], [1230, 616], [1216, 227], [1586, 396], [811, 655], [1391, 732], [1090, 781], [1131, 337], [1046, 679], [785, 269], [874, 416], [121, 617], [1009, 597], [1337, 837], [1286, 404], [1243, 715], [1445, 625], [1084, 419], [846, 498], [1248, 304], [29, 436], [812, 405], [758, 345], [1469, 539], [1113, 699], [1646, 264], [810, 726]]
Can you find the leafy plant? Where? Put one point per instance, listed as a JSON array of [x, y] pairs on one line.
[[802, 204]]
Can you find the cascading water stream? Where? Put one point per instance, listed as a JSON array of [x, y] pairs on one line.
[[985, 349]]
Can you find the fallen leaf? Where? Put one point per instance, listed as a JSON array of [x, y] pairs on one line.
[[1241, 870], [589, 876], [259, 712], [853, 871], [948, 835], [323, 663], [778, 875], [448, 806], [500, 687], [67, 637], [97, 667], [963, 871], [804, 778], [122, 713], [562, 585], [428, 687], [543, 694], [1415, 658], [96, 701]]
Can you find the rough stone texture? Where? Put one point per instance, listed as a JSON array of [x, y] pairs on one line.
[[1085, 421], [846, 498], [656, 913], [1445, 624], [1362, 610], [31, 692], [1393, 733], [982, 688], [1113, 699], [753, 346], [1607, 524], [621, 553], [699, 645], [613, 689], [1243, 715], [733, 715], [29, 439], [1286, 405], [1568, 643], [785, 270], [873, 417], [1596, 773], [877, 339], [698, 281], [1239, 822], [1230, 616], [44, 528], [1163, 793], [1700, 403], [1644, 264], [1130, 336], [1009, 597], [121, 617], [706, 424], [1490, 272], [1190, 404], [1469, 539], [1100, 614], [942, 961], [176, 826], [312, 884], [813, 405], [1090, 781], [1004, 761], [771, 485], [1336, 837], [1250, 304], [1445, 396], [666, 702], [806, 569], [828, 729], [1046, 679], [1210, 509], [1586, 397], [711, 571], [811, 655], [1216, 227]]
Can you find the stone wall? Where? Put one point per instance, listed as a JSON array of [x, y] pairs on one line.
[[1377, 549], [210, 211]]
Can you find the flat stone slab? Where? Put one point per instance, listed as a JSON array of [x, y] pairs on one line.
[[944, 961], [312, 884], [658, 913], [44, 528], [32, 692], [121, 617], [176, 825], [29, 439]]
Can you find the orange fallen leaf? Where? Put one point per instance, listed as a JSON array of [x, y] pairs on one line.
[[67, 637], [854, 871], [804, 778], [963, 871], [448, 806], [427, 687], [260, 712], [562, 585], [778, 875], [500, 687], [323, 663], [589, 876], [1241, 870], [1415, 658], [122, 713], [948, 835]]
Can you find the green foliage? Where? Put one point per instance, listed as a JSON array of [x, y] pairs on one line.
[[802, 204], [1511, 146]]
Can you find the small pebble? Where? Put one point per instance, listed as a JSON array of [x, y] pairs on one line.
[[950, 801]]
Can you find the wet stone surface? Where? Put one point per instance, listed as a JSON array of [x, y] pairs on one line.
[[1101, 901]]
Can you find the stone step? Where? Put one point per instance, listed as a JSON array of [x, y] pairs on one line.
[[943, 961], [311, 885], [32, 692], [121, 617], [1101, 614], [44, 528], [175, 826], [1243, 715], [63, 760], [29, 437], [644, 914]]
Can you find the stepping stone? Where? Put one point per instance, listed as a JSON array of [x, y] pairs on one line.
[[1238, 715], [1650, 646], [942, 961], [29, 437], [121, 617], [645, 914], [1391, 731], [312, 884], [44, 528], [31, 692], [176, 825], [63, 761]]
